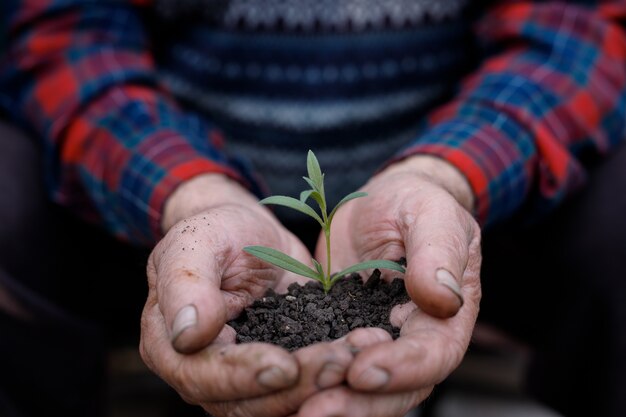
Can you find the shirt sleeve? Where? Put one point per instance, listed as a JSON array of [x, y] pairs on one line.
[[79, 75], [550, 92]]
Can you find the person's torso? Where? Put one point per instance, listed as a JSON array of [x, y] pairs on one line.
[[349, 79]]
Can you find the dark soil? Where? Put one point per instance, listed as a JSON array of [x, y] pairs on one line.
[[306, 315]]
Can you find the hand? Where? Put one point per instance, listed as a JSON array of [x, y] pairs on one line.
[[418, 209], [198, 279]]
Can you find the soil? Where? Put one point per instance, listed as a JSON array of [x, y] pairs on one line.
[[306, 315]]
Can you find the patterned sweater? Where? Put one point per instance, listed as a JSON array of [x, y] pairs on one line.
[[133, 97]]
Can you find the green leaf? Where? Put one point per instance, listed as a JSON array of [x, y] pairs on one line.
[[319, 199], [310, 182], [379, 263], [313, 169], [304, 195], [281, 260], [317, 193], [281, 200], [351, 196], [318, 267]]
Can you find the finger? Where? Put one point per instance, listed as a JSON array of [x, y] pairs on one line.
[[426, 352], [400, 313], [438, 243], [322, 366], [187, 283], [219, 372], [360, 338], [343, 402]]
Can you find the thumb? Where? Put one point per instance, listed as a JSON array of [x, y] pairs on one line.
[[187, 290], [437, 242]]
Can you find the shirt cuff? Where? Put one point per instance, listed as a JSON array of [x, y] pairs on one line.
[[496, 159]]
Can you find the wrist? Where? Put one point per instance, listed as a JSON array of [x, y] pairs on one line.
[[440, 172], [201, 193]]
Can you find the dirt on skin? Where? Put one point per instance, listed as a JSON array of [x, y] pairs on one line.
[[306, 315]]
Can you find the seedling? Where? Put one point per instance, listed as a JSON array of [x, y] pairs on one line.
[[277, 258]]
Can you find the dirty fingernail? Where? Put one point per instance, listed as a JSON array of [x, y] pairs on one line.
[[373, 378], [445, 278], [331, 374], [343, 340], [273, 378], [354, 350], [187, 317]]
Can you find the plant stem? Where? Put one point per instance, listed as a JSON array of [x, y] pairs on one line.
[[327, 278]]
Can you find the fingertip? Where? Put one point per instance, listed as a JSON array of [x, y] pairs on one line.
[[196, 325], [269, 366], [225, 372], [400, 313], [437, 293], [364, 337], [281, 369], [325, 364], [186, 319], [446, 279], [275, 377], [372, 378], [227, 335]]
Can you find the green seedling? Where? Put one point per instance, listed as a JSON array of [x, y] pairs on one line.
[[316, 192]]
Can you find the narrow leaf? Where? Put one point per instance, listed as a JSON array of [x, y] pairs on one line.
[[318, 267], [351, 196], [319, 188], [313, 168], [304, 195], [311, 183], [379, 263], [281, 200], [319, 199], [281, 260]]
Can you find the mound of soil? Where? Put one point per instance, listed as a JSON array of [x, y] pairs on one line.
[[306, 315]]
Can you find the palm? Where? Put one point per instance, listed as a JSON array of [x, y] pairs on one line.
[[208, 247], [365, 229]]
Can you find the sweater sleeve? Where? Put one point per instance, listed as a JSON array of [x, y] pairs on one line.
[[550, 92], [79, 75]]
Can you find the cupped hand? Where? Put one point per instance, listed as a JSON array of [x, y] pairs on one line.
[[418, 209], [199, 278]]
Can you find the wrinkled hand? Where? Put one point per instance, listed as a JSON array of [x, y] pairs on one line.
[[199, 278], [418, 209]]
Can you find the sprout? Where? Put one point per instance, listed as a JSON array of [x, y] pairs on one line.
[[316, 192]]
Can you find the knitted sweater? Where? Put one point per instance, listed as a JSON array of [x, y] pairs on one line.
[[133, 97], [351, 80]]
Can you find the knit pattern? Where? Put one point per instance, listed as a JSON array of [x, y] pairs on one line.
[[313, 15]]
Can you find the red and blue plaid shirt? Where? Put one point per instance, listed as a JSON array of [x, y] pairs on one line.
[[80, 75]]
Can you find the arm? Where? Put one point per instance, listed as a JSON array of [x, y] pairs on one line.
[[79, 74], [551, 92]]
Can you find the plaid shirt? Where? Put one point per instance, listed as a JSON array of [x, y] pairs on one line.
[[79, 74]]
